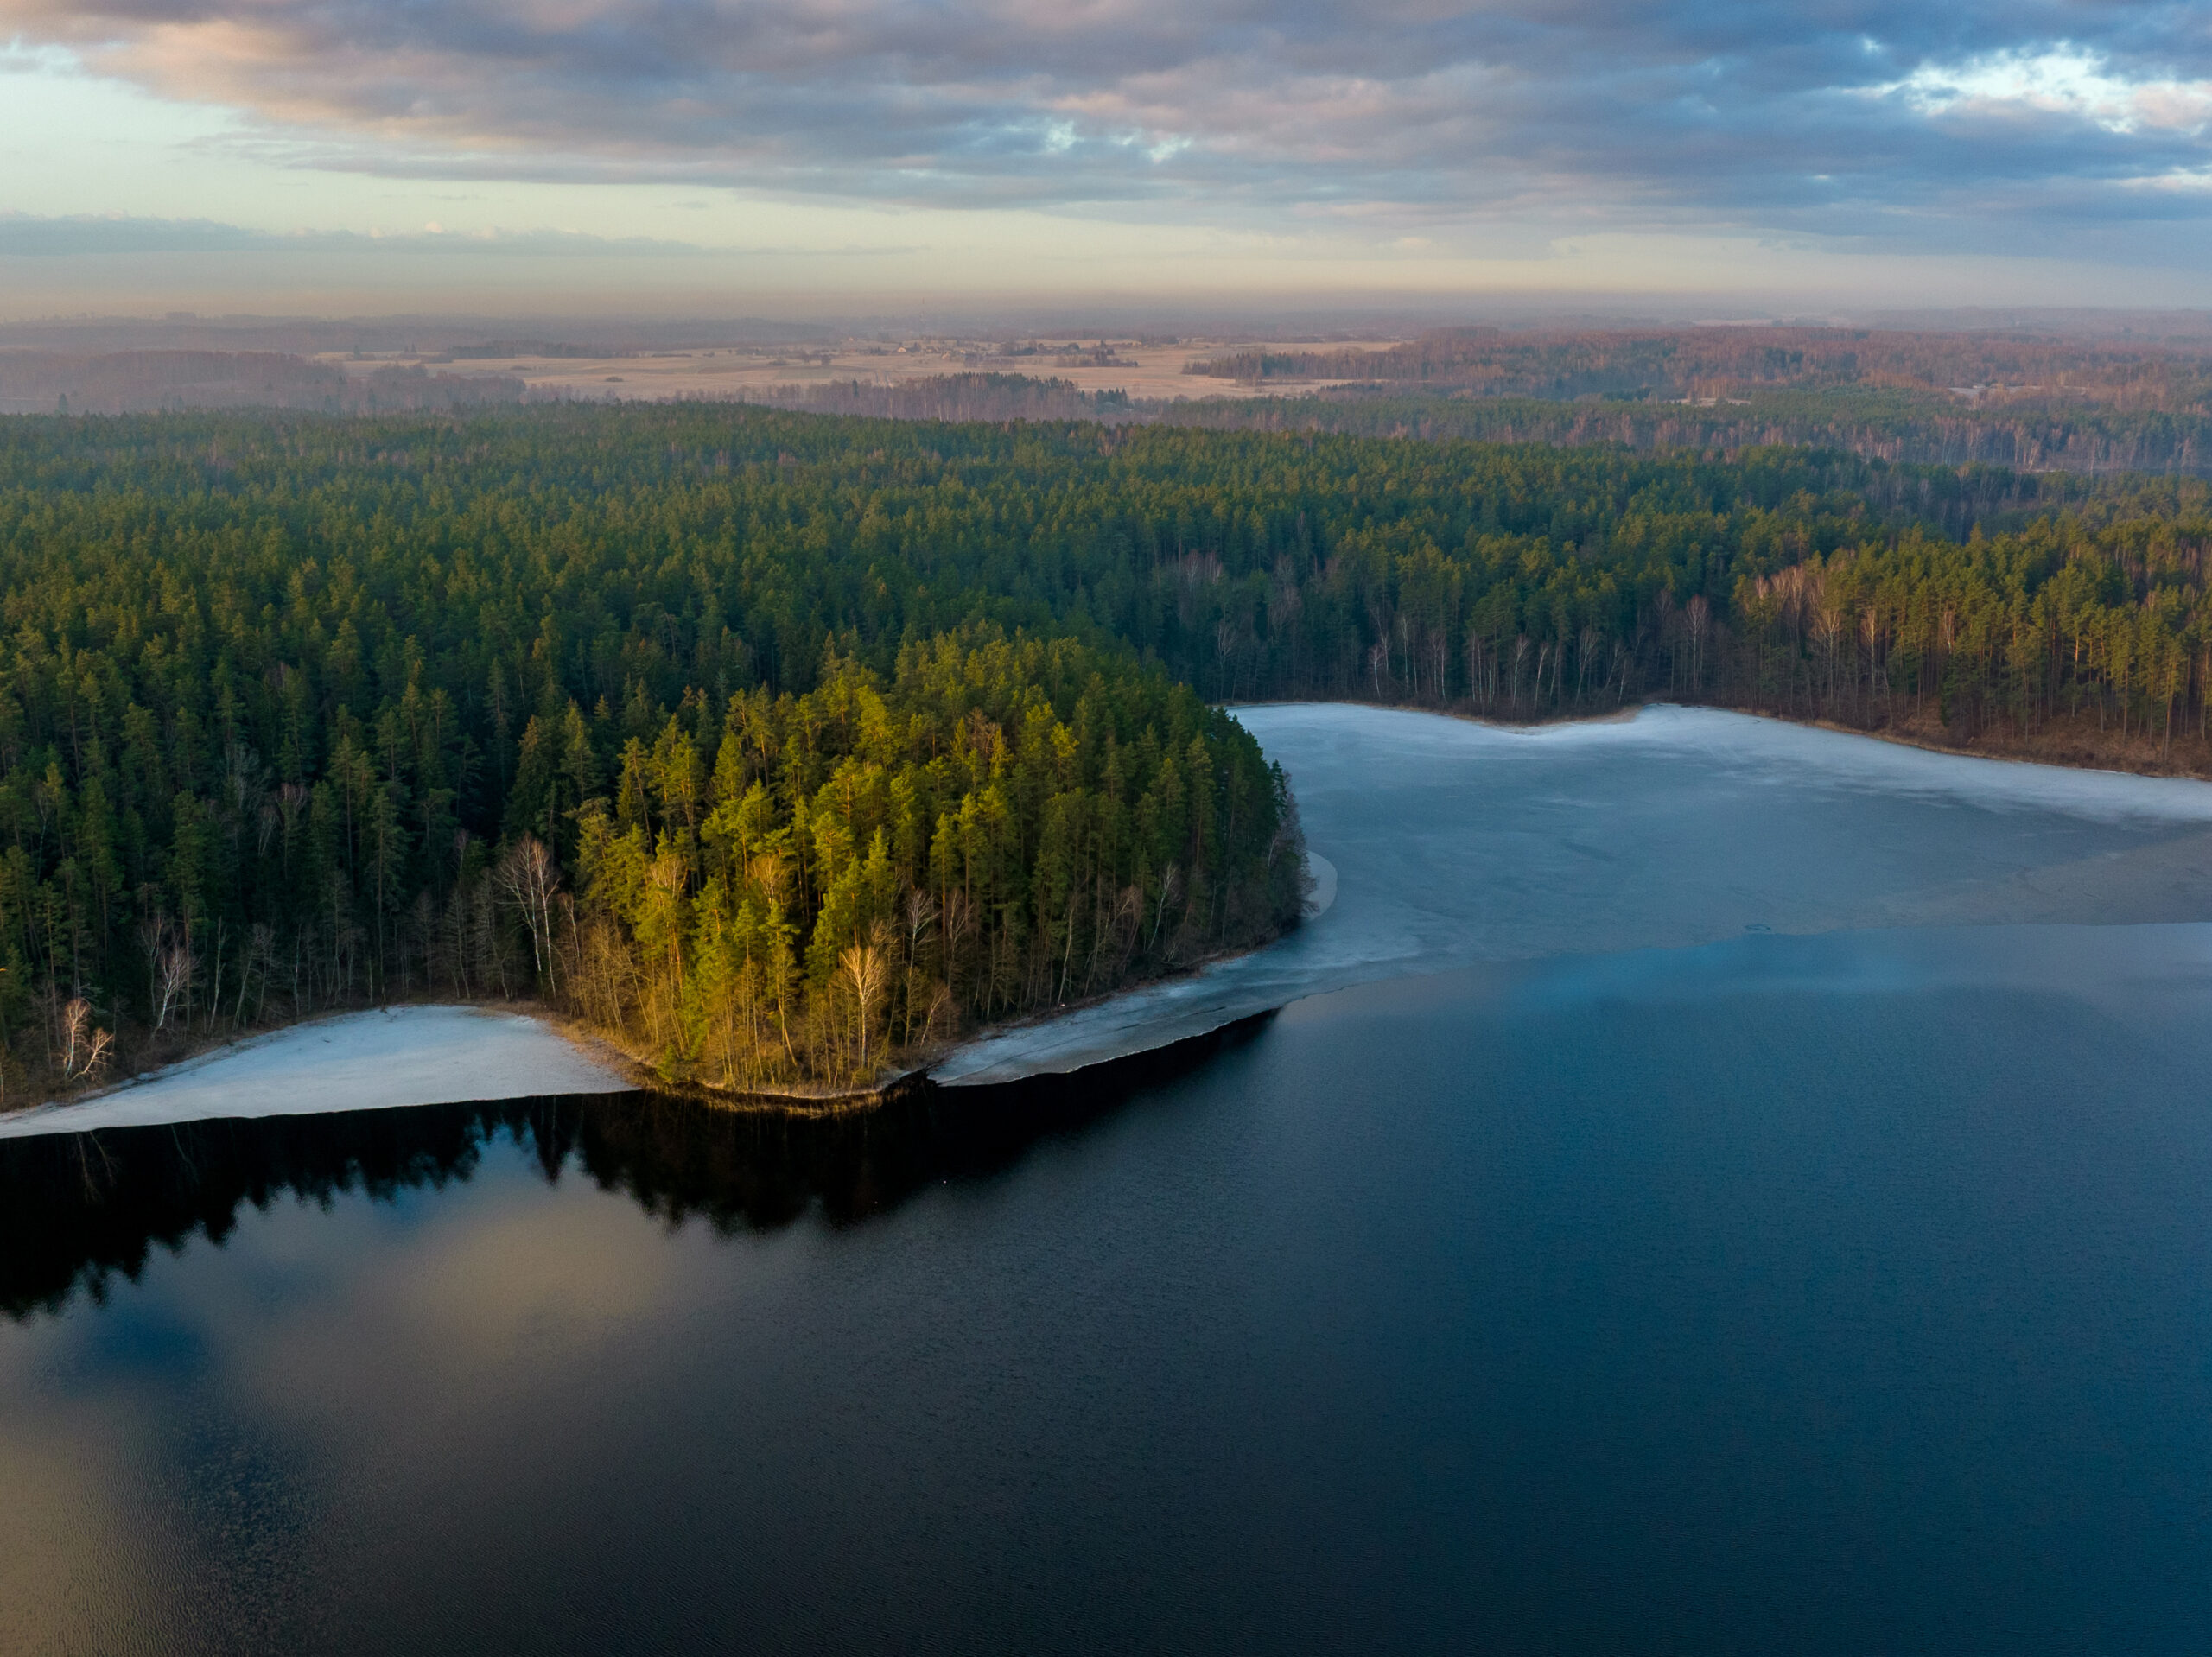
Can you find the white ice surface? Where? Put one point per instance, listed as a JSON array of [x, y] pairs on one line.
[[360, 1061], [1453, 843]]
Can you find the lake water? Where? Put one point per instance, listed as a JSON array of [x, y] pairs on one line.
[[1638, 1282]]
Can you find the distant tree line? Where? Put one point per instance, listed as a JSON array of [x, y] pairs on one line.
[[1708, 361], [985, 396], [1914, 428], [1904, 426], [120, 382]]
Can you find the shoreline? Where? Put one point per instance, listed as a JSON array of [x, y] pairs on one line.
[[828, 1101], [377, 1058], [593, 1050], [1896, 735], [1424, 922]]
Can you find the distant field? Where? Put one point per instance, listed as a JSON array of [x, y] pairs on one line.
[[1141, 371]]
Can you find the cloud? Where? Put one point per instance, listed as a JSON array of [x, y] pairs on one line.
[[2063, 80], [1875, 120], [35, 236], [31, 236]]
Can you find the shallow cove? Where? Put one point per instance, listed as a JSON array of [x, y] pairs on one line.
[[1837, 1292]]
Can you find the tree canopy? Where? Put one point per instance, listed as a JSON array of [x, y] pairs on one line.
[[690, 715]]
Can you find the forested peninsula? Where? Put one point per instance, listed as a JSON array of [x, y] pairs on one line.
[[780, 747]]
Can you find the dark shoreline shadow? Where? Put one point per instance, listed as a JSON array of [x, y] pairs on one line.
[[78, 1210]]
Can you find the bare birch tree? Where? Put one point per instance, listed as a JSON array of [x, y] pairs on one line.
[[85, 1048], [527, 878]]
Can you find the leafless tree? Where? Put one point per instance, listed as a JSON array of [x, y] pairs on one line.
[[921, 910], [939, 1016], [865, 969], [1698, 612], [1870, 628], [168, 954], [1225, 646], [85, 1049], [1828, 628], [1170, 883], [1482, 670], [528, 878]]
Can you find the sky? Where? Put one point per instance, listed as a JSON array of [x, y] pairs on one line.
[[366, 156]]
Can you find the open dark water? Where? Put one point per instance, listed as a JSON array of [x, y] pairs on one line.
[[1848, 1293]]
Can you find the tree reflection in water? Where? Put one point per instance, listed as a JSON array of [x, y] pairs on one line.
[[79, 1210]]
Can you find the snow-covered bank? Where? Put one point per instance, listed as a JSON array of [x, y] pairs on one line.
[[359, 1061], [1456, 843]]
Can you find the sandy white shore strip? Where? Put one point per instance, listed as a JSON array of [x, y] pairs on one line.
[[359, 1061], [1136, 1021]]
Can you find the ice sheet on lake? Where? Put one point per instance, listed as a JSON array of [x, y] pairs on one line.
[[1455, 843], [360, 1061]]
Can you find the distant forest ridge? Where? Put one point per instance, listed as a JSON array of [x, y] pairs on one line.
[[2028, 402], [140, 382], [1721, 361], [1912, 428]]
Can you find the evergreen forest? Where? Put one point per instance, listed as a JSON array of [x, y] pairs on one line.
[[781, 747]]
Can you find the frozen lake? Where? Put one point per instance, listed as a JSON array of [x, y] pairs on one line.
[[1453, 843]]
